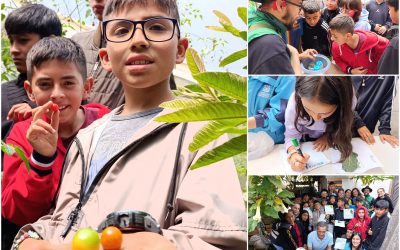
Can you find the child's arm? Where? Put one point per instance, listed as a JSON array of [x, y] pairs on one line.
[[346, 68], [21, 188]]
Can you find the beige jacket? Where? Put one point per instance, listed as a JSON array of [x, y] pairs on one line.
[[209, 209], [107, 89]]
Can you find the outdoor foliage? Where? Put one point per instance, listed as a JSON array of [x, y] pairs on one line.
[[10, 150], [220, 98], [369, 179], [266, 195]]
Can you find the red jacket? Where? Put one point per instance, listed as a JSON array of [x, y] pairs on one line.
[[368, 56], [25, 197], [363, 227]]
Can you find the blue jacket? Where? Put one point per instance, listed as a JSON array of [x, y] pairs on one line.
[[268, 97]]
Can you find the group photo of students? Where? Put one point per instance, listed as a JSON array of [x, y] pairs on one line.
[[335, 212], [323, 37]]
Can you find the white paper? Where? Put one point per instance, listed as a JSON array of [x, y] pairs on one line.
[[340, 243], [329, 209], [348, 213], [340, 223], [366, 158], [321, 218]]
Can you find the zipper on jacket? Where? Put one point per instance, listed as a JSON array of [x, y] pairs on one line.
[[71, 219], [84, 196]]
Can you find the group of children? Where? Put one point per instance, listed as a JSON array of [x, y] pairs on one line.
[[327, 110], [312, 225], [82, 167], [360, 38]]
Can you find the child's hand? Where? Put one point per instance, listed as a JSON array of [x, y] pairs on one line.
[[298, 163], [366, 135], [389, 138], [321, 144], [359, 71], [19, 112], [382, 30], [308, 53], [42, 135], [369, 231], [377, 27]]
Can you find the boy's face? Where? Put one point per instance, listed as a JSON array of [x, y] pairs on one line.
[[379, 212], [312, 19], [381, 193], [340, 203], [61, 83], [394, 15], [138, 62], [339, 37], [98, 7], [19, 48], [331, 4]]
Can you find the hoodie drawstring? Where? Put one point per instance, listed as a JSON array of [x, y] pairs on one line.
[[369, 56]]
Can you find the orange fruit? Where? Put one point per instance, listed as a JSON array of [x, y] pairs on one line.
[[111, 238]]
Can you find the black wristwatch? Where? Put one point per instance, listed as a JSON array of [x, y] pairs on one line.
[[131, 221]]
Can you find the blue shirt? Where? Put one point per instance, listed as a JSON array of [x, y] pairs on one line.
[[318, 244]]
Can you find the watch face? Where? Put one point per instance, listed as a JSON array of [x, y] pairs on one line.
[[131, 221]]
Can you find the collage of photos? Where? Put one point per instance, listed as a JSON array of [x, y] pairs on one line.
[[200, 125], [323, 125]]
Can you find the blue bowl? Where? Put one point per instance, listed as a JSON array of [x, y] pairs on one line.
[[318, 66]]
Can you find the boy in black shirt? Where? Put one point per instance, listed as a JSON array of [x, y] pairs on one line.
[[315, 31]]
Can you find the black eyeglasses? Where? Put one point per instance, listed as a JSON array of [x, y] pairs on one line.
[[300, 5], [157, 29]]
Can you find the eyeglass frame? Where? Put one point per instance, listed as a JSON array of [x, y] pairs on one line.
[[142, 22], [295, 4]]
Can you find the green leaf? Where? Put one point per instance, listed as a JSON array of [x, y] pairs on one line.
[[206, 112], [252, 225], [228, 27], [242, 13], [212, 131], [222, 17], [276, 181], [230, 148], [216, 28], [21, 154], [7, 148], [227, 83], [286, 194], [194, 61], [243, 35], [194, 88], [181, 103], [271, 212], [233, 57]]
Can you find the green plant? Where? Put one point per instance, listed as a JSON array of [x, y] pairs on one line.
[[11, 150], [369, 179], [220, 98], [227, 26], [267, 196]]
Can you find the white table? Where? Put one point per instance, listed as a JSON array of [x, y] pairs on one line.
[[272, 164]]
